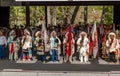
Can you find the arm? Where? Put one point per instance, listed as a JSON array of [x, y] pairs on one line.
[[107, 43], [78, 41], [5, 41]]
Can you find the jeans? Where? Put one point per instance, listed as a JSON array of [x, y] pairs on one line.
[[54, 55], [112, 57], [41, 57], [2, 51]]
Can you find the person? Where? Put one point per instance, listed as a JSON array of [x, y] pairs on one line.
[[3, 44], [104, 52], [14, 45], [40, 48], [55, 46], [26, 46], [90, 47], [83, 47], [68, 43], [113, 47]]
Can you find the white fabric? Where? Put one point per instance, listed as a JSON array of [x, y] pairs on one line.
[[3, 40], [84, 49], [27, 43]]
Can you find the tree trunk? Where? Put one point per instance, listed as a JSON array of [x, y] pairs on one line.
[[74, 14], [103, 15], [54, 16], [27, 14], [85, 14], [48, 16]]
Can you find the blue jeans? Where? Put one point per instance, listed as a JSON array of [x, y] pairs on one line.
[[41, 57], [2, 51], [54, 54]]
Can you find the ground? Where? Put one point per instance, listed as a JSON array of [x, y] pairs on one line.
[[99, 65]]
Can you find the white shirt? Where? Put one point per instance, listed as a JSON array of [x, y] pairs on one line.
[[3, 40], [114, 45], [52, 42], [85, 41]]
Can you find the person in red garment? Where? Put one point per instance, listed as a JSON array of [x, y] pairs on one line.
[[69, 43], [91, 48]]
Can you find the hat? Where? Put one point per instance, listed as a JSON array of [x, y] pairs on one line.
[[83, 33], [112, 33], [26, 31], [37, 33], [53, 32]]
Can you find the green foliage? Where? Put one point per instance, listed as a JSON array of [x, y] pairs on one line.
[[18, 16], [109, 15]]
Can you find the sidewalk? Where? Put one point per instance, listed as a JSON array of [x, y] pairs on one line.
[[57, 73]]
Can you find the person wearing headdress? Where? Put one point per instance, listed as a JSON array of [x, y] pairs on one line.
[[40, 48], [104, 52], [69, 44], [83, 47], [113, 47], [3, 44], [55, 46], [14, 45], [26, 45]]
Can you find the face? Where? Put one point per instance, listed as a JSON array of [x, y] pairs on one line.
[[82, 35], [111, 36], [54, 34], [1, 33], [39, 35], [25, 33]]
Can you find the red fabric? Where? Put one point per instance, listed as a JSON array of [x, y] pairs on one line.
[[69, 40], [90, 46], [19, 33], [12, 48]]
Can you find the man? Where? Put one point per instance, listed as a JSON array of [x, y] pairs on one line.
[[26, 46], [69, 45], [40, 48], [83, 47], [14, 45], [113, 47], [3, 44], [55, 46]]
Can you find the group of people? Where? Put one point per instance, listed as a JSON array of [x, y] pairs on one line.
[[86, 44]]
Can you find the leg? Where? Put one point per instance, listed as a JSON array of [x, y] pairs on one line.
[[3, 51], [42, 58], [0, 52], [114, 59], [53, 51], [29, 54], [15, 55], [85, 58], [24, 56], [56, 53], [81, 58]]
